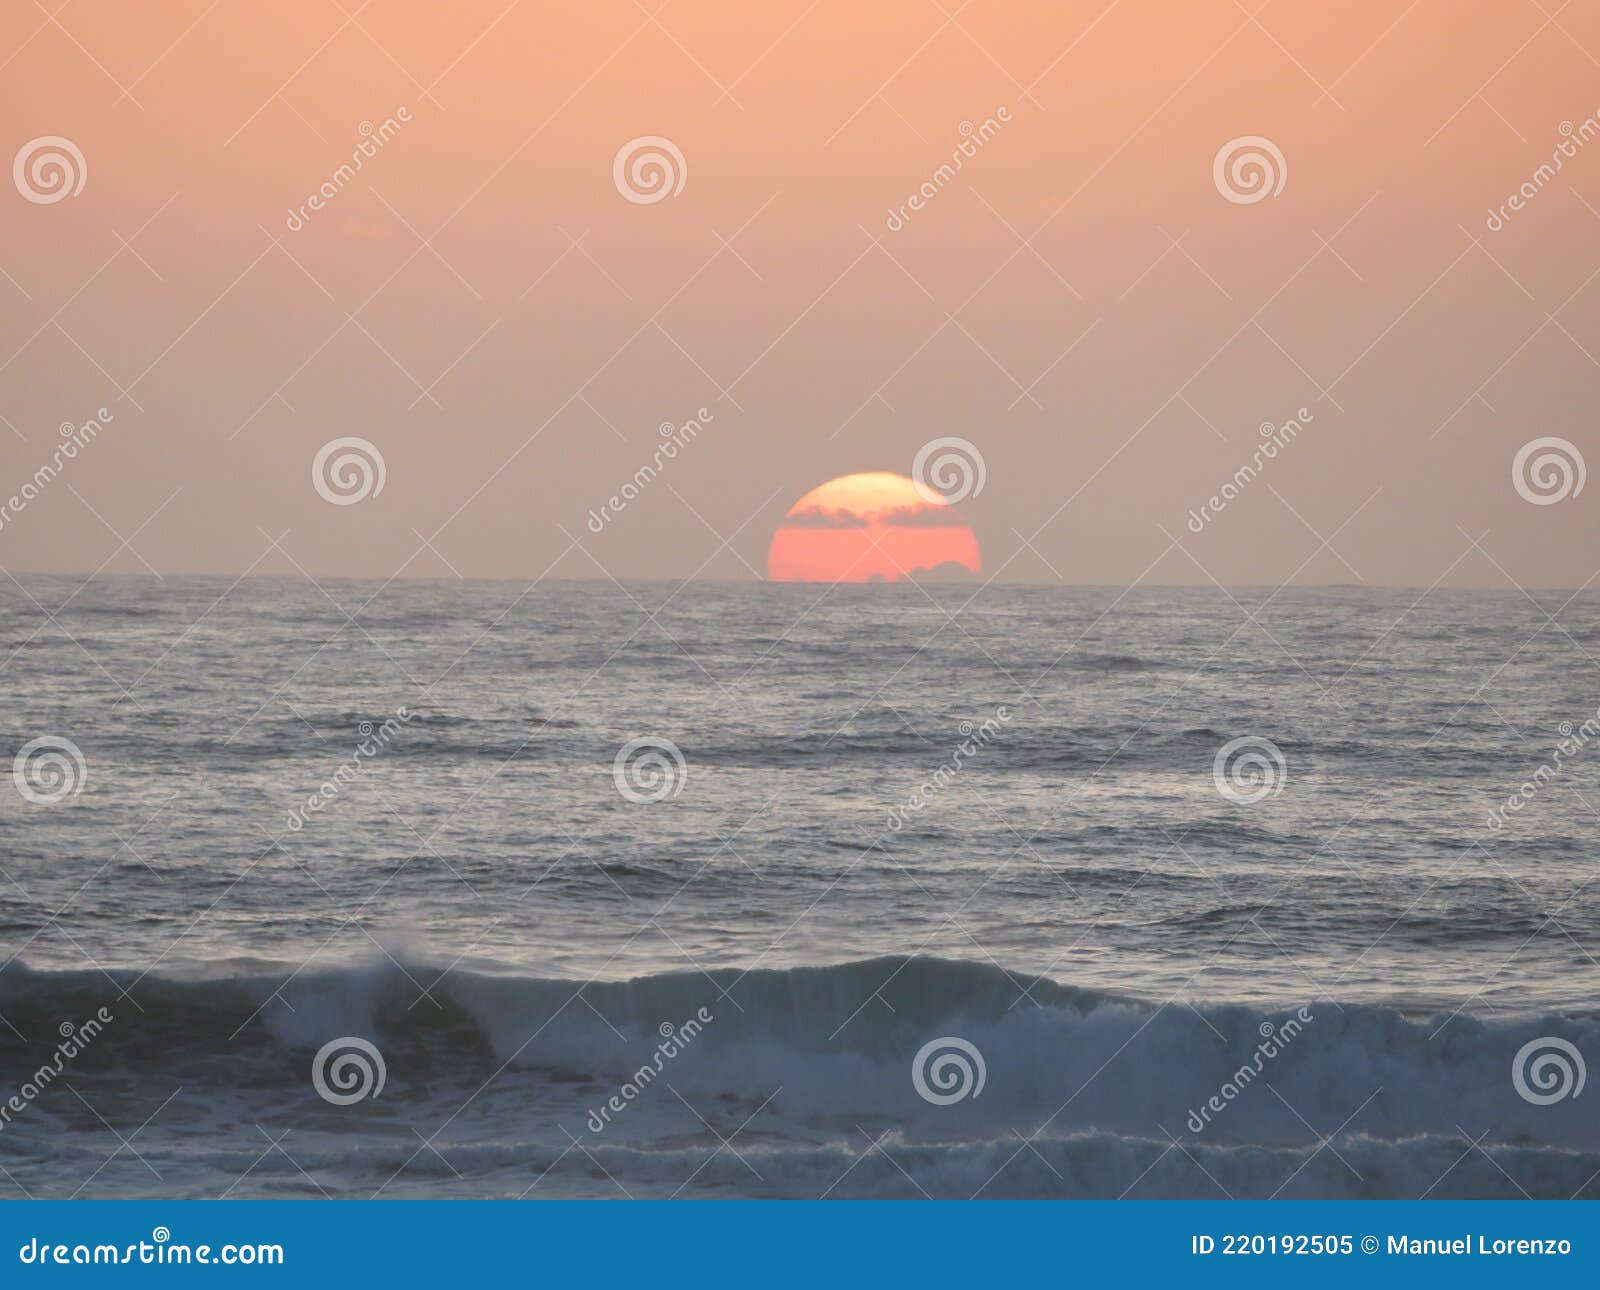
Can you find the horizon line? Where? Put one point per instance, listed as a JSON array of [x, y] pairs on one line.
[[975, 585]]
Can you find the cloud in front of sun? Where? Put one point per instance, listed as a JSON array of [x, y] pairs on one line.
[[872, 527]]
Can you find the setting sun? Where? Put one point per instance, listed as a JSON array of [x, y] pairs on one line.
[[872, 527]]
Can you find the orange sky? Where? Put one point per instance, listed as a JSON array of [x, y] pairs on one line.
[[482, 304]]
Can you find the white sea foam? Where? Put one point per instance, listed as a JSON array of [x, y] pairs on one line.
[[1099, 1084]]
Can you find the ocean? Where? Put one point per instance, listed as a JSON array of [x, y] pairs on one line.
[[444, 888]]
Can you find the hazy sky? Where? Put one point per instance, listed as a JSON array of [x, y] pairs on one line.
[[1081, 300]]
